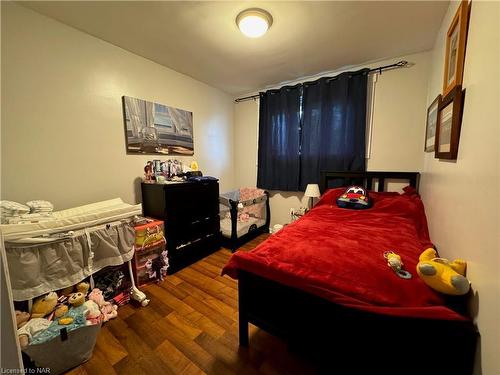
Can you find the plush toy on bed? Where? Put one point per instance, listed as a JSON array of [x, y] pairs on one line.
[[441, 274], [355, 197]]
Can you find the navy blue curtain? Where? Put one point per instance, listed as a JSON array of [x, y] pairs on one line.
[[279, 139], [334, 125]]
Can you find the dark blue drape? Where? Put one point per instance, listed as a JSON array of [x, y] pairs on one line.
[[334, 126], [279, 137], [312, 127]]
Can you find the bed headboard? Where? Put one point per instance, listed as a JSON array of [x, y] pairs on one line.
[[367, 177]]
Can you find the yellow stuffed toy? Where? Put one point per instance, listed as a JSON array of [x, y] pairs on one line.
[[441, 274]]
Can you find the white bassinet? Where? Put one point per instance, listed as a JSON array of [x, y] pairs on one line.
[[51, 255]]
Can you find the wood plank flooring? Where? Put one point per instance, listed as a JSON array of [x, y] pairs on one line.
[[189, 327]]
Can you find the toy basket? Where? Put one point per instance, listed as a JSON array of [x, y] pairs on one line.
[[64, 352], [244, 214]]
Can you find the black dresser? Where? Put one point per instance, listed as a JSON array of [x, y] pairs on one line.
[[190, 211]]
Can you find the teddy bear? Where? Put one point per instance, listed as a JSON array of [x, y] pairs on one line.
[[44, 305], [108, 310], [76, 299], [441, 274]]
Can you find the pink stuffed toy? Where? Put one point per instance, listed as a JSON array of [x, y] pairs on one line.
[[108, 310]]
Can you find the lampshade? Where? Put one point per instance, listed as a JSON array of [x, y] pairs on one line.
[[312, 191]]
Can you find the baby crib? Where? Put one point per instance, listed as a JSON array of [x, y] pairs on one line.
[[244, 214]]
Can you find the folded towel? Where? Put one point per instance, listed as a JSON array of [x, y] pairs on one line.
[[40, 206]]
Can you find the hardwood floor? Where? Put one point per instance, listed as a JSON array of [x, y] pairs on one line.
[[189, 327]]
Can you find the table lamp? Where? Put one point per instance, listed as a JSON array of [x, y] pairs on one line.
[[312, 191]]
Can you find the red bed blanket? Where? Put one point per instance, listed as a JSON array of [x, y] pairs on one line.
[[337, 254]]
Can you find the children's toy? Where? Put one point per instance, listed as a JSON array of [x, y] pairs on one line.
[[65, 321], [60, 311], [76, 299], [22, 318], [44, 305], [83, 287], [108, 310], [441, 274], [354, 197], [394, 261], [28, 330], [92, 312]]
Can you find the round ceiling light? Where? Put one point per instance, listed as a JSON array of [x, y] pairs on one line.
[[254, 22]]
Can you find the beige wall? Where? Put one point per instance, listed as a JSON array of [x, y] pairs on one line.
[[462, 198], [62, 126], [397, 138]]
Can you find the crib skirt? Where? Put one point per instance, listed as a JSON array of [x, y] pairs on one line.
[[38, 268]]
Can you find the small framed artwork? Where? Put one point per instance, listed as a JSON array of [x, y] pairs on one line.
[[455, 48], [432, 120], [448, 124]]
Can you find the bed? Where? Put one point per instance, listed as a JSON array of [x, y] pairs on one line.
[[77, 243], [322, 283]]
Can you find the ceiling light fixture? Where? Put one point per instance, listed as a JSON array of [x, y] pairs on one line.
[[254, 22]]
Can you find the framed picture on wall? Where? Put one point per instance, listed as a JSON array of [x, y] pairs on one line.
[[432, 120], [456, 39], [153, 128], [448, 124]]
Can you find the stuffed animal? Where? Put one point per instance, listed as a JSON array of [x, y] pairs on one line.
[[60, 311], [83, 287], [76, 299], [28, 330], [92, 313], [44, 305], [21, 318], [96, 296], [354, 197], [441, 274], [108, 310]]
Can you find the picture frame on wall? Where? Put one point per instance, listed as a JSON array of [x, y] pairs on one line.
[[448, 124], [432, 121], [456, 40]]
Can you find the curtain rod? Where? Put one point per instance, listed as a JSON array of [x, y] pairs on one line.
[[380, 69]]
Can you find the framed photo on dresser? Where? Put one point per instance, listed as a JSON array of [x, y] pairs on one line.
[[432, 120], [448, 124]]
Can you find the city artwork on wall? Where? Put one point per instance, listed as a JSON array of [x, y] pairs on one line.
[[152, 128]]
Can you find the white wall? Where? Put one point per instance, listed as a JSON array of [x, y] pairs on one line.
[[397, 139], [462, 198], [62, 125]]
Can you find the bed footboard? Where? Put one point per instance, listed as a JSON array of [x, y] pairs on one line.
[[354, 341]]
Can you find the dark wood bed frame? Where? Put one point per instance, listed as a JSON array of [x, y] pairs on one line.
[[348, 341]]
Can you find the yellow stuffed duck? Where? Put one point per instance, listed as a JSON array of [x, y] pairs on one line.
[[441, 274]]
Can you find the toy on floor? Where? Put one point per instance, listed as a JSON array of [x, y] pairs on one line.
[[43, 306], [441, 274], [394, 261]]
